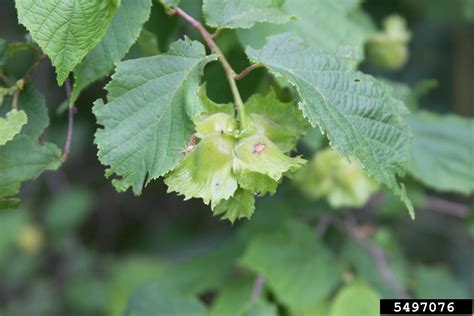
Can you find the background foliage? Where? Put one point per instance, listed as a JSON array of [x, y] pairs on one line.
[[320, 245]]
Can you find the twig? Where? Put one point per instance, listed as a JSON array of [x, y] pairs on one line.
[[446, 207], [378, 257], [323, 224], [70, 125], [257, 288], [31, 72], [247, 70], [230, 73], [432, 203], [216, 33], [15, 100], [5, 79]]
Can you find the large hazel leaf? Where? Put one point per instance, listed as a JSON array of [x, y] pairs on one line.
[[122, 33], [11, 125], [147, 119], [243, 13], [66, 30], [442, 153], [357, 112], [333, 26]]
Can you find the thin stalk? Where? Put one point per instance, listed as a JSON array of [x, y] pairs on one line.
[[5, 79], [229, 71], [70, 124], [247, 70]]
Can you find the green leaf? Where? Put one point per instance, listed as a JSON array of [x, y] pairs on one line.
[[243, 13], [148, 43], [67, 211], [9, 204], [24, 159], [155, 299], [11, 125], [122, 33], [437, 283], [200, 273], [126, 276], [260, 308], [442, 153], [364, 267], [66, 30], [333, 26], [148, 115], [357, 299], [357, 112], [295, 265], [240, 205], [235, 299], [33, 104], [282, 123]]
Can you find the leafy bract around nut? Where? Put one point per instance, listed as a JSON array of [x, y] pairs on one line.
[[342, 183], [283, 123], [207, 171], [228, 166]]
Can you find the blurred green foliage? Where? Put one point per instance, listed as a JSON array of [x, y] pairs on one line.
[[76, 247]]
